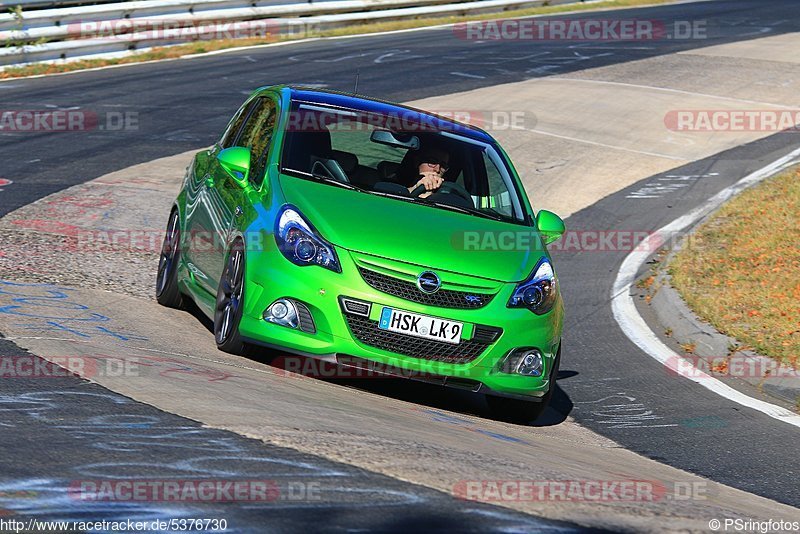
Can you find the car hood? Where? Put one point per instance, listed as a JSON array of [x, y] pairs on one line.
[[423, 235]]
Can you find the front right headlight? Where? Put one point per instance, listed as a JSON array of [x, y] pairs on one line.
[[538, 293], [301, 243]]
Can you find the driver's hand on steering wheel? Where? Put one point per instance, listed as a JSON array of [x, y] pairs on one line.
[[431, 181]]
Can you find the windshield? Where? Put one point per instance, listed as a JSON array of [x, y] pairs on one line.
[[389, 155]]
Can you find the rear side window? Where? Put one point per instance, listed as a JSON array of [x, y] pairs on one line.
[[235, 126], [257, 136]]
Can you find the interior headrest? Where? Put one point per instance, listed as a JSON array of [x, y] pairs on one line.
[[387, 168], [348, 161]]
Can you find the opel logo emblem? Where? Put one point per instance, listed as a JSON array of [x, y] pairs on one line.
[[428, 282]]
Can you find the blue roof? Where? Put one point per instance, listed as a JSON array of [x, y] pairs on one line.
[[372, 105]]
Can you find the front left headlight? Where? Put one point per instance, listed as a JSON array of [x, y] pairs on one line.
[[539, 292], [301, 244]]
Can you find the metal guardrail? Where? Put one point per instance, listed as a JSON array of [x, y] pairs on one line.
[[55, 22], [73, 32], [5, 5]]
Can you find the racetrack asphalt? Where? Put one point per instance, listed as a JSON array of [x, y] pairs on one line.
[[63, 437], [184, 104]]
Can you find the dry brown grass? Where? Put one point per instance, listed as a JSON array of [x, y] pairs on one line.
[[742, 270]]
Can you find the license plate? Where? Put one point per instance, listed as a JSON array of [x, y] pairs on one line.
[[425, 326]]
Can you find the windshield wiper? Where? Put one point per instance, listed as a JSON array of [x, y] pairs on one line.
[[390, 195], [322, 178], [332, 181], [466, 210], [496, 213]]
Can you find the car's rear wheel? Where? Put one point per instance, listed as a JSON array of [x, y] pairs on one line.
[[167, 291], [523, 411], [230, 304]]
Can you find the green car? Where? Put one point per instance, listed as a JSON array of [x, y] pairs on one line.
[[371, 235]]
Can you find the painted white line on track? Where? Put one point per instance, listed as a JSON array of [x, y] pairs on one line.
[[634, 326], [669, 90], [467, 75], [604, 145]]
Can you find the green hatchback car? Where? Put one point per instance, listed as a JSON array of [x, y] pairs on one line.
[[370, 235]]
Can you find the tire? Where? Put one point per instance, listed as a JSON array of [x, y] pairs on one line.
[[230, 302], [167, 292], [523, 411]]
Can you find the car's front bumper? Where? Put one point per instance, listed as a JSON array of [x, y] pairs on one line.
[[270, 277]]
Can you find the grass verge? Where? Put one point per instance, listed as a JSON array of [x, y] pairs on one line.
[[199, 47], [741, 269]]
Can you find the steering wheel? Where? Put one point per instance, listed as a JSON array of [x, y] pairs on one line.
[[417, 191], [332, 169], [457, 189], [446, 187]]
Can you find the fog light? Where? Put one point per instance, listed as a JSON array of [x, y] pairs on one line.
[[279, 310], [527, 362], [530, 364], [282, 312]]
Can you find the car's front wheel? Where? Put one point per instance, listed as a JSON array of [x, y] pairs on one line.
[[167, 292], [523, 411], [228, 311]]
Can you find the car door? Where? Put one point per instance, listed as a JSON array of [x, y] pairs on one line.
[[228, 200], [203, 225]]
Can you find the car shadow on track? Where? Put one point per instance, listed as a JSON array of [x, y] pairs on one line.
[[412, 391], [420, 393]]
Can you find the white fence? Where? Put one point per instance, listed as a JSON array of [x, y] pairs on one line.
[[115, 28]]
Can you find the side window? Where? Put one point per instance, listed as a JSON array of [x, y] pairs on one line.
[[257, 136], [230, 135], [499, 198]]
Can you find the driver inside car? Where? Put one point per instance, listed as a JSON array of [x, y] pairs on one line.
[[432, 163]]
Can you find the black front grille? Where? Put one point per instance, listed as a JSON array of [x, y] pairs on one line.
[[444, 298], [367, 332], [486, 334]]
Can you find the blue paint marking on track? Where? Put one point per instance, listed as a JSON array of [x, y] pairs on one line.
[[469, 425], [46, 307]]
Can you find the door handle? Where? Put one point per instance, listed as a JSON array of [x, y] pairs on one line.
[[238, 211]]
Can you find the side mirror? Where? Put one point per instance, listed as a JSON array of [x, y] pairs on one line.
[[550, 226], [236, 162]]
